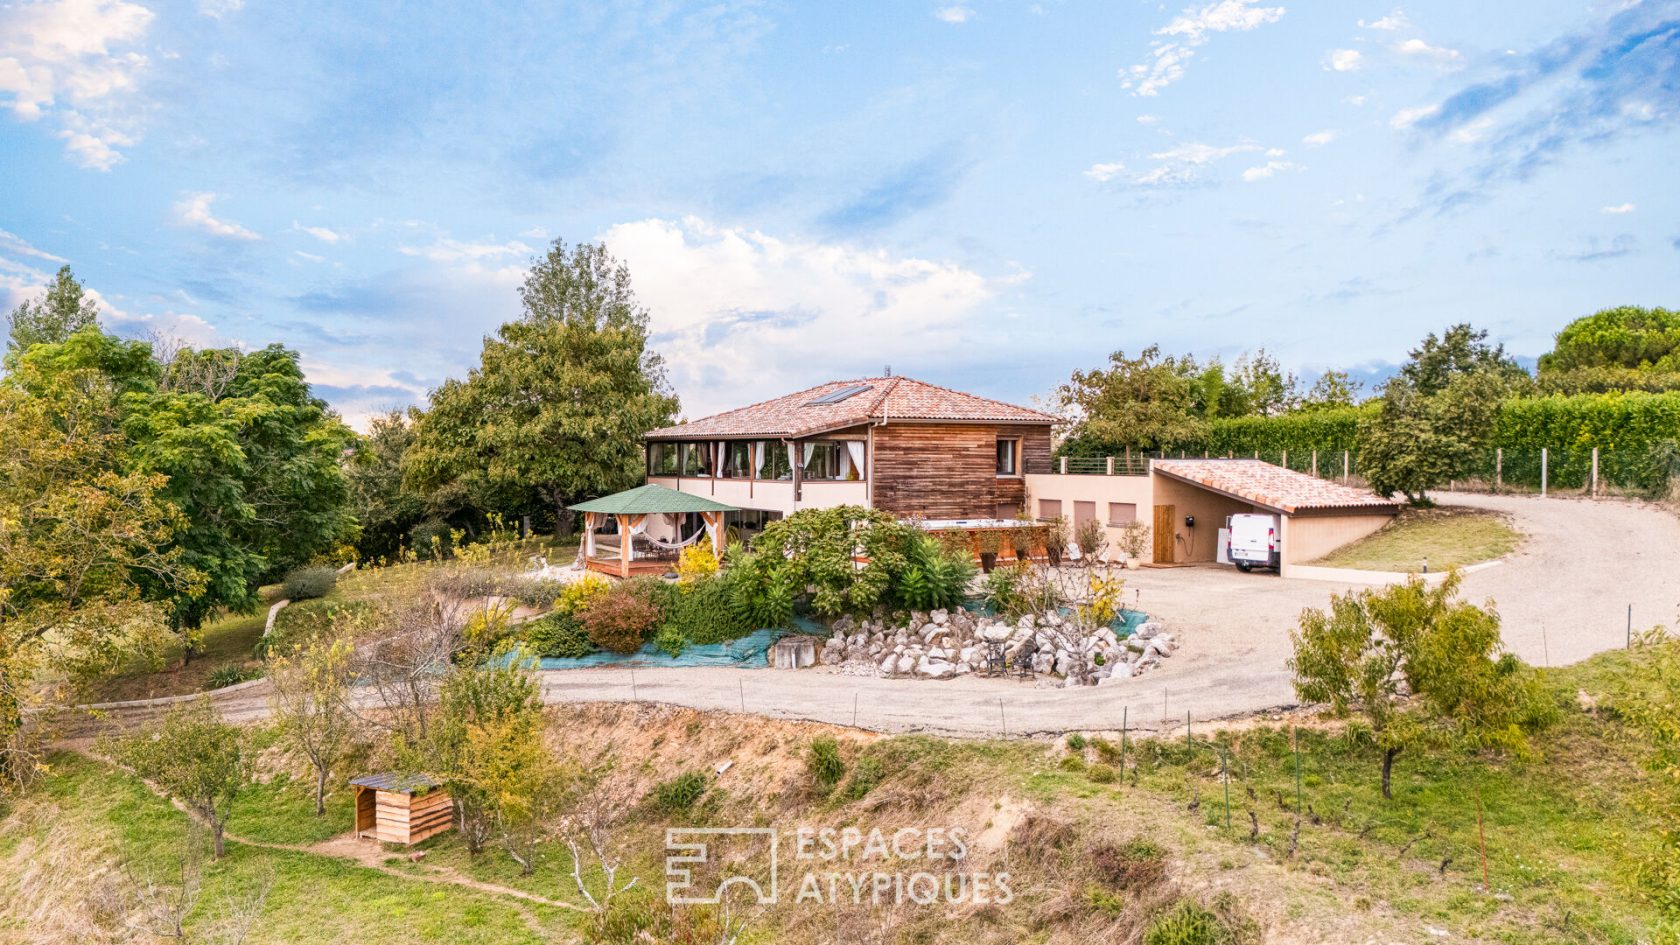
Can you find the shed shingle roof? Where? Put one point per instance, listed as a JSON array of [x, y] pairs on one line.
[[1273, 486], [397, 782], [883, 398]]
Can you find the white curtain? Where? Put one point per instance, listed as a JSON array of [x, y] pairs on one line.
[[793, 459], [711, 528], [761, 449], [722, 458], [590, 523], [854, 450], [638, 524]]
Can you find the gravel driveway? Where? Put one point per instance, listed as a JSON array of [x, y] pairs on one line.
[[1563, 597]]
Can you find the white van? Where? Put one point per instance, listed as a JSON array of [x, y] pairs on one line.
[[1253, 541]]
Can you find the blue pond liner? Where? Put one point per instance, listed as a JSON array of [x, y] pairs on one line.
[[750, 651]]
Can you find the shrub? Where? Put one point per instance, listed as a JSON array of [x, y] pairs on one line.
[[1101, 774], [669, 640], [1134, 865], [1072, 763], [696, 563], [761, 591], [309, 583], [1004, 592], [703, 612], [865, 775], [1191, 923], [1107, 751], [620, 619], [822, 762], [557, 636], [580, 592], [432, 540], [680, 793], [932, 578], [225, 676], [530, 591], [487, 627], [1076, 742]]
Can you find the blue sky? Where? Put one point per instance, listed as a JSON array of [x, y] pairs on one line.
[[982, 194]]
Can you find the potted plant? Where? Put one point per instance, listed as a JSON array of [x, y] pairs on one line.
[[1055, 540], [990, 540], [1092, 537], [1021, 540], [1134, 537]]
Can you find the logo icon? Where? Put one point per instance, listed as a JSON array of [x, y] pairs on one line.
[[720, 854]]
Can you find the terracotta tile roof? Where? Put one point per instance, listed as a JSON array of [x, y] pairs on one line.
[[1272, 486], [889, 398]]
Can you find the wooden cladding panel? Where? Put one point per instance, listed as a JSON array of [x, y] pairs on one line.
[[949, 470]]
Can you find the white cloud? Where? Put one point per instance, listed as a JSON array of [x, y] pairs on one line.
[[319, 232], [69, 59], [1267, 169], [955, 13], [1105, 172], [1357, 101], [1392, 22], [1343, 60], [1619, 209], [13, 243], [741, 315], [216, 9], [1148, 119], [1183, 164], [1419, 49], [1473, 131], [1319, 139], [447, 250], [194, 210], [1407, 117], [1192, 28], [308, 257], [1222, 17]]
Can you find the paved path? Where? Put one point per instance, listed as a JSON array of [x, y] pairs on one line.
[[1563, 597]]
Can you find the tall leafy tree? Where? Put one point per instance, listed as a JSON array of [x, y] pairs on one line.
[[253, 460], [1332, 389], [1145, 402], [557, 407], [1438, 413], [53, 318], [1623, 348], [385, 510], [77, 526]]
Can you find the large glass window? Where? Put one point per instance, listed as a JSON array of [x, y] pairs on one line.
[[776, 465], [737, 460], [833, 461], [1009, 457], [662, 459], [696, 459]]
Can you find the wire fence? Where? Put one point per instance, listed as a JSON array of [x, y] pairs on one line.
[[1652, 471]]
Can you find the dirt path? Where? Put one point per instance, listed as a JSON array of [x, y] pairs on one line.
[[1563, 597]]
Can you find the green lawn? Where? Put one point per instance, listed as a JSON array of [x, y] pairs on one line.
[[1445, 537], [110, 817]]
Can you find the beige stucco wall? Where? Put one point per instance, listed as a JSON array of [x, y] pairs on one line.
[[1210, 510], [1101, 490], [1310, 537]]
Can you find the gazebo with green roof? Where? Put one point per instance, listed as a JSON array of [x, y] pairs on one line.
[[631, 509]]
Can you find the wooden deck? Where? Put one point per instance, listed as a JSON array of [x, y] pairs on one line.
[[613, 565]]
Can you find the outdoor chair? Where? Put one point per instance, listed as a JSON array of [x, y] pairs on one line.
[[997, 662], [1024, 660]]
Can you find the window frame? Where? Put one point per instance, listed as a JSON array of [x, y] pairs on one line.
[[1014, 443]]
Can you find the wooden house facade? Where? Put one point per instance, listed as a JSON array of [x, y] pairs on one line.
[[892, 443]]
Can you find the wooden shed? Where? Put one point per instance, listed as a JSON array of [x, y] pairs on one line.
[[401, 808]]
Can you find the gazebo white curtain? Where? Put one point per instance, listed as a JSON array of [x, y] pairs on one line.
[[854, 452]]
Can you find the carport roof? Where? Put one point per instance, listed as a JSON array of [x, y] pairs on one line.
[[1273, 487]]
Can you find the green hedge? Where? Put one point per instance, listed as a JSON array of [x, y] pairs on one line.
[[1328, 431]]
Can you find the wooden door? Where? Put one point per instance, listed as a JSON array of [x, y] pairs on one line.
[[1165, 517]]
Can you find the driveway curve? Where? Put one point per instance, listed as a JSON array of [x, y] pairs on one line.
[[1563, 596]]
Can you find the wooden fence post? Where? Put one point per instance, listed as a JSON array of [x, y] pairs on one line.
[[1595, 473], [1543, 458], [1109, 469], [1064, 465], [1284, 461], [1315, 462], [1347, 465], [1498, 468]]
